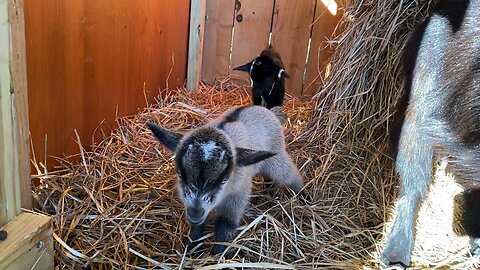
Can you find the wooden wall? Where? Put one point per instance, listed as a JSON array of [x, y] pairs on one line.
[[88, 61], [241, 29]]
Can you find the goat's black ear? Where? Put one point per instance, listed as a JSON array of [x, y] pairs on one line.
[[278, 62], [247, 157], [245, 67], [168, 138]]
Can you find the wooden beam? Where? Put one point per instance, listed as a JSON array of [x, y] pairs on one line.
[[18, 70], [195, 43], [29, 243], [9, 165]]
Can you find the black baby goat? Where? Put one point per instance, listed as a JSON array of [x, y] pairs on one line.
[[439, 115], [268, 78]]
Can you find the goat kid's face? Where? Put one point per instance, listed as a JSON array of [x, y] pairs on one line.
[[203, 168], [263, 68], [204, 163]]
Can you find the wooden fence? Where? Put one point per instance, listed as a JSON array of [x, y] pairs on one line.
[[88, 61], [236, 31]]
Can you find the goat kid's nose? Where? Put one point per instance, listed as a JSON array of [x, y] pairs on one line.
[[195, 214]]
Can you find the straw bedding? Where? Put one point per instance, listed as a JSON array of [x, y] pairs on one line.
[[117, 207]]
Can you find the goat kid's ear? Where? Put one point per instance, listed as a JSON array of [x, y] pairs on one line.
[[168, 138], [278, 62], [245, 67], [247, 157]]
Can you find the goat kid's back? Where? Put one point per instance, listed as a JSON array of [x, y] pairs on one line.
[[252, 127]]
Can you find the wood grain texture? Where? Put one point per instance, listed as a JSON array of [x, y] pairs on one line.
[[29, 244], [88, 61], [9, 166], [218, 37], [195, 43], [18, 70], [290, 35], [320, 52], [251, 33]]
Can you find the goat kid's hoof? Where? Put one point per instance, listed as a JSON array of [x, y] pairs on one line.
[[219, 249], [395, 266], [194, 247], [394, 261]]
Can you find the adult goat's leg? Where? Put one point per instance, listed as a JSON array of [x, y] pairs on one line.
[[419, 130], [414, 165]]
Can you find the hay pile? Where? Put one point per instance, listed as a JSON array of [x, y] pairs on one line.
[[117, 208], [350, 121]]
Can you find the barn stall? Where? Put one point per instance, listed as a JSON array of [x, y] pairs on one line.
[[97, 72]]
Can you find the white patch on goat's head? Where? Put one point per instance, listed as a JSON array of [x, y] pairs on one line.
[[208, 149]]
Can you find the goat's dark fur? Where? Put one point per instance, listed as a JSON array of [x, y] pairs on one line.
[[268, 78], [439, 115]]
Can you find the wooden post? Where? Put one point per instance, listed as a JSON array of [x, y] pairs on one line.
[[18, 70], [10, 201], [195, 43], [26, 238]]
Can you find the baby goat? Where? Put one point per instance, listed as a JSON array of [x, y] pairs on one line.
[[268, 78], [216, 163], [438, 116]]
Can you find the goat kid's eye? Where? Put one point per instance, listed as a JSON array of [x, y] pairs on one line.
[[258, 63]]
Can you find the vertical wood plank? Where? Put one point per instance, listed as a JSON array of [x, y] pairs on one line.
[[252, 25], [90, 61], [195, 43], [9, 171], [320, 53], [218, 38], [18, 70], [290, 35]]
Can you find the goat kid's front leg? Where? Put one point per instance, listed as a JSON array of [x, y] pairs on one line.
[[228, 219], [196, 232], [414, 165]]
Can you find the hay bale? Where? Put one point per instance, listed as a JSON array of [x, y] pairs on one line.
[[350, 122]]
